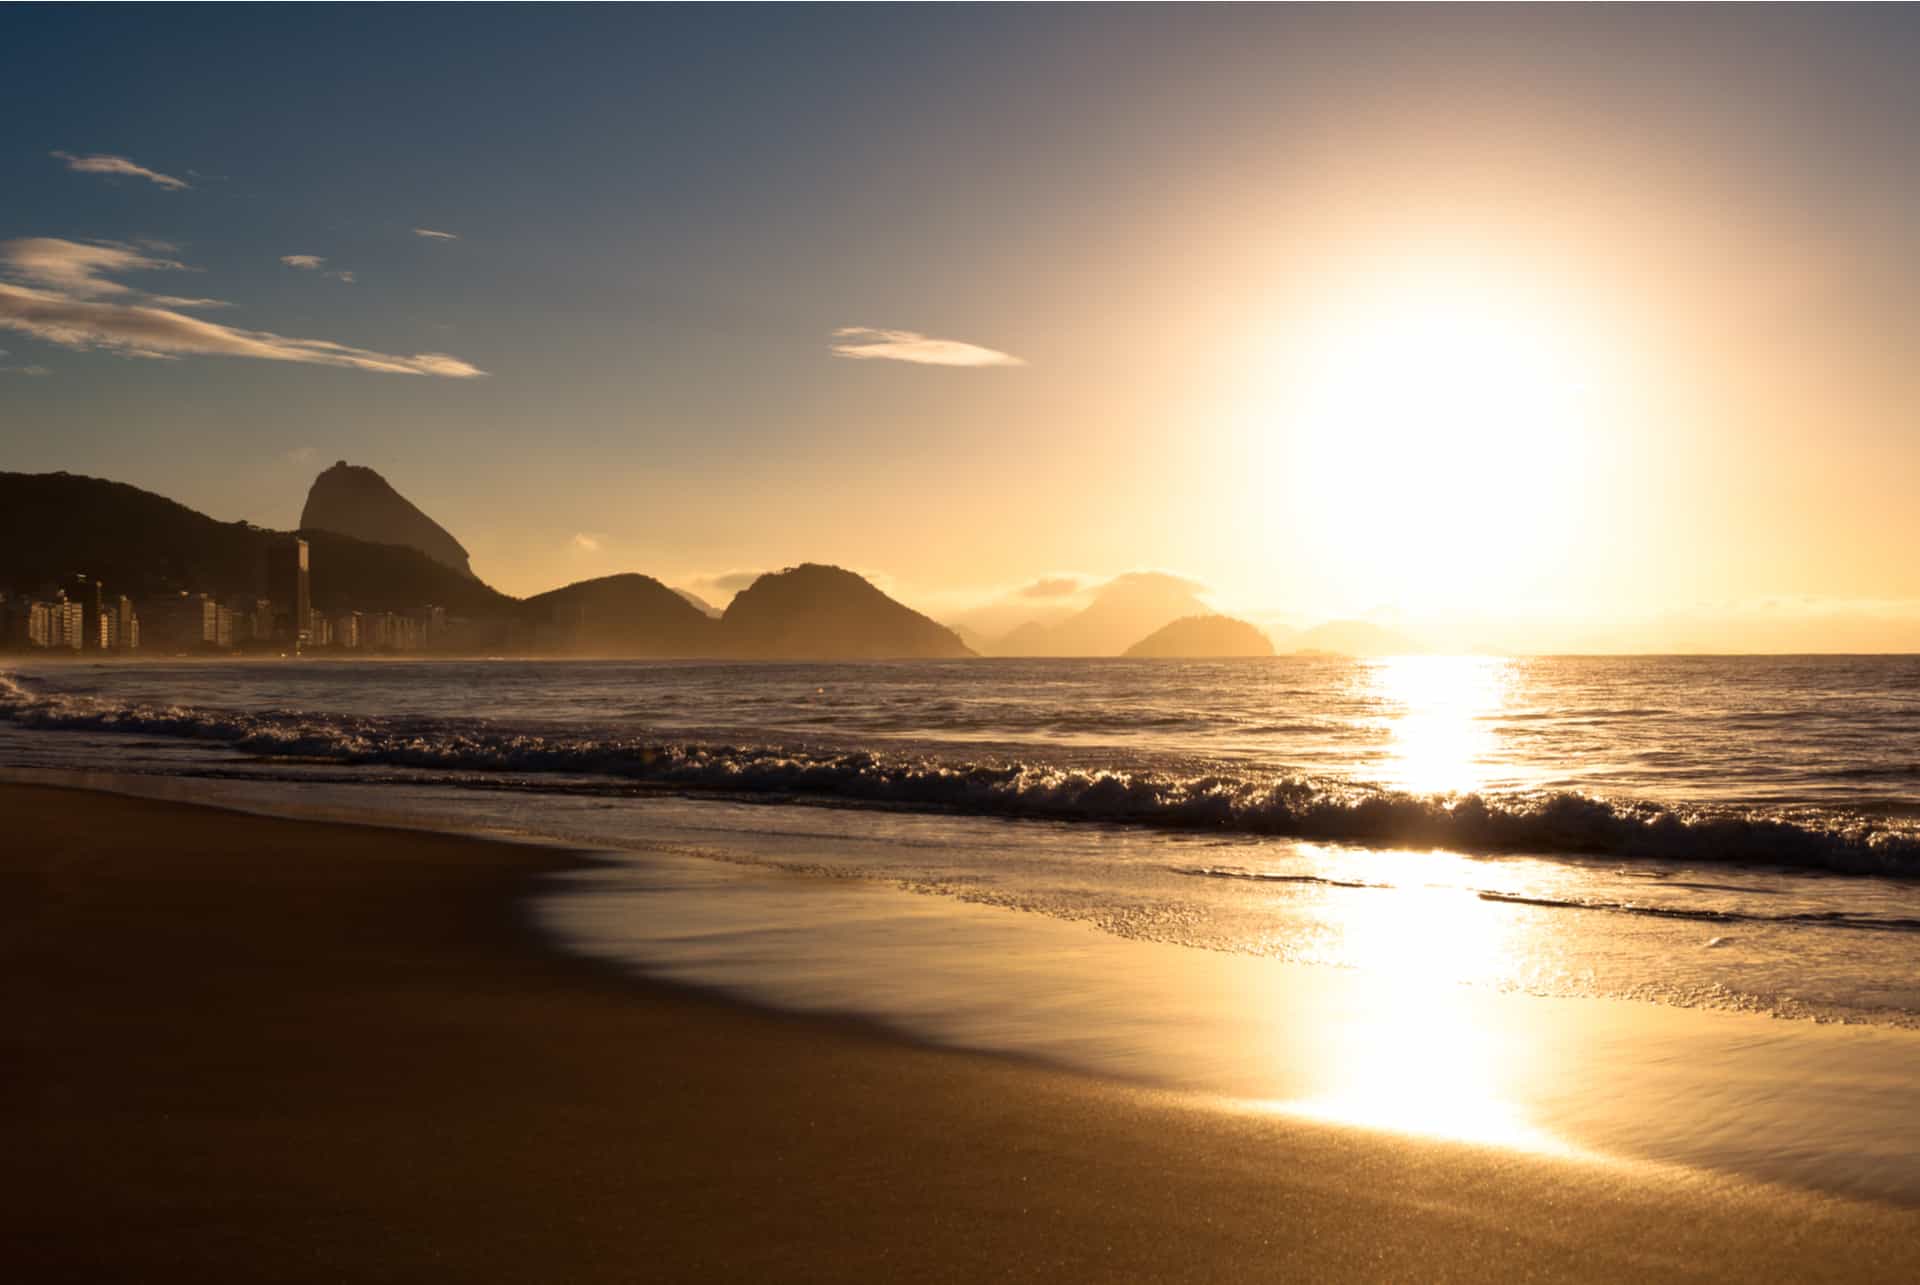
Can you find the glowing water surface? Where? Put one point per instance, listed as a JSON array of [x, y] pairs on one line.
[[1490, 1000]]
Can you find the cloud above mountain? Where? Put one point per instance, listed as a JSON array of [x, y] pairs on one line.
[[722, 585], [1051, 587], [60, 291], [865, 343], [119, 167]]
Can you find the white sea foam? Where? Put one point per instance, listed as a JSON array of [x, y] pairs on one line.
[[1226, 799]]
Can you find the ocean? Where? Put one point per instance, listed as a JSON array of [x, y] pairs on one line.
[[1542, 901]]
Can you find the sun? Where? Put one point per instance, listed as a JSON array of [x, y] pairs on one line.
[[1433, 432]]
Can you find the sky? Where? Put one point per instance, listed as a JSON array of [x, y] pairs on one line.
[[1555, 329]]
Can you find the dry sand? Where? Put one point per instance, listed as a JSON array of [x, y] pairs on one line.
[[245, 1049]]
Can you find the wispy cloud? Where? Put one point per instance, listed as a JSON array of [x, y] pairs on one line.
[[181, 301], [1051, 587], [584, 543], [724, 584], [866, 343], [32, 371], [78, 268], [56, 291], [120, 166], [313, 263], [436, 236]]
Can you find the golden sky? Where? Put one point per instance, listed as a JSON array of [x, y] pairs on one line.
[[1566, 329]]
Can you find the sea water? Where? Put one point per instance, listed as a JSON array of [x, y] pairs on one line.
[[1469, 896]]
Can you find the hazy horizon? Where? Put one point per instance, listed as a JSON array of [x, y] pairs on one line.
[[1537, 330]]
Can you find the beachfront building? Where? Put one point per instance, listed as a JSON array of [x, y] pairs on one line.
[[346, 629], [123, 625], [54, 623], [72, 618], [76, 616], [285, 575], [43, 625], [430, 626], [183, 621], [252, 619], [89, 595]]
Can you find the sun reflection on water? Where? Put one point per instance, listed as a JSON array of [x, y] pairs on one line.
[[1416, 1050], [1438, 716], [1425, 1064]]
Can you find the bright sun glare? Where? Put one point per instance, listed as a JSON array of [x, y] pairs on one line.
[[1436, 431]]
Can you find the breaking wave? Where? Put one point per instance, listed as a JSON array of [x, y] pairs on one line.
[[1230, 801]]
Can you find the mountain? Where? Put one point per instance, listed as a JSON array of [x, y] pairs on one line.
[[54, 525], [971, 637], [358, 574], [354, 500], [623, 615], [1356, 638], [700, 604], [995, 620], [814, 612], [1123, 611], [1201, 637], [1035, 638]]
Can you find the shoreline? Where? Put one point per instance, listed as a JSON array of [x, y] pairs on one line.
[[252, 1047]]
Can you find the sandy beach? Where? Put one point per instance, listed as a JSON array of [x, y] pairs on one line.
[[242, 1048]]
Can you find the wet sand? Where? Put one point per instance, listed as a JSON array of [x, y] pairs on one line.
[[241, 1048]]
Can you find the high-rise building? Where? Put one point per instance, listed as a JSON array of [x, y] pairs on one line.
[[42, 625], [285, 580], [87, 593], [73, 625], [126, 626]]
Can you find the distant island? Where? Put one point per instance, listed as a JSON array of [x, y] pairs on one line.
[[814, 612], [1122, 612], [1202, 638]]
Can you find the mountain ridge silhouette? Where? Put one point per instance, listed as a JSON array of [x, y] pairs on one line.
[[354, 500], [137, 542]]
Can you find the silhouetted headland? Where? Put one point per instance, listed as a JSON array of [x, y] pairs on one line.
[[1123, 611], [813, 612], [354, 500], [1202, 637], [624, 615], [58, 528]]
